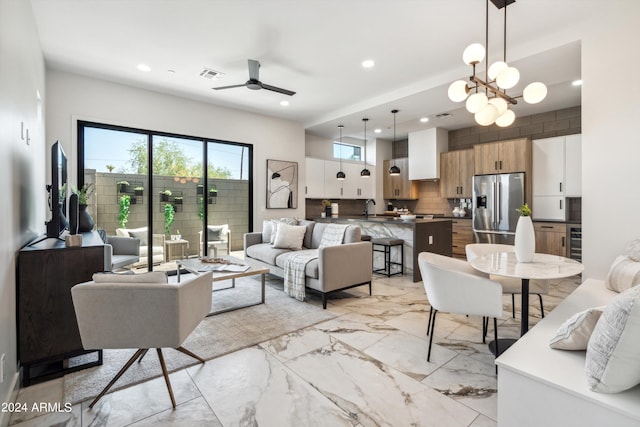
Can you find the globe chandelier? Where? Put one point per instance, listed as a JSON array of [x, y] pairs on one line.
[[492, 105]]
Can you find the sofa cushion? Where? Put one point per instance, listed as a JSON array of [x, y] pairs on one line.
[[311, 270], [623, 274], [216, 233], [614, 349], [575, 332], [289, 236], [140, 234], [309, 233], [270, 227], [633, 250], [265, 252], [351, 235]]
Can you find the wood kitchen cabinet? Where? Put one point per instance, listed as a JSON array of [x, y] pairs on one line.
[[503, 157], [456, 174], [461, 236], [551, 238], [398, 187]]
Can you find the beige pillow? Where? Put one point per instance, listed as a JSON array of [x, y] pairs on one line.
[[150, 277], [575, 332], [289, 236], [623, 274], [274, 227]]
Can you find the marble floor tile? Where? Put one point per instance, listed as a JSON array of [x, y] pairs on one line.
[[53, 419], [482, 421], [355, 329], [468, 381], [138, 402], [251, 387], [192, 413], [298, 343], [414, 323], [46, 392]]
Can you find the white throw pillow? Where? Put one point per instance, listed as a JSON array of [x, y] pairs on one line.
[[575, 332], [613, 354], [623, 274], [289, 236], [150, 277], [274, 228], [633, 250]]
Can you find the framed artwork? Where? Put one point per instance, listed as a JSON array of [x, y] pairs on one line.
[[282, 184]]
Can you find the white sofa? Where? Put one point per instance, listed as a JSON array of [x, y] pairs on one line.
[[157, 244], [541, 386]]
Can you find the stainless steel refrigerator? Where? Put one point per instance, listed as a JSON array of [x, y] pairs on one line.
[[495, 200]]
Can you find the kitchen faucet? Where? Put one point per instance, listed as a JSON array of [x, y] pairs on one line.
[[366, 207]]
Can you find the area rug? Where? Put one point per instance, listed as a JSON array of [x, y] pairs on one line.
[[215, 336]]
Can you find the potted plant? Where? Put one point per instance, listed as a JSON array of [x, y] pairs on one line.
[[326, 208], [123, 186], [110, 168], [199, 189], [178, 200], [213, 195], [138, 191], [84, 192], [164, 195], [169, 213], [525, 240], [85, 221], [201, 208], [123, 214]]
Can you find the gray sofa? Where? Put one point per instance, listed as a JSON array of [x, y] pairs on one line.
[[336, 268]]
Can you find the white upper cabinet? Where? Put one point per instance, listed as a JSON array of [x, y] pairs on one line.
[[355, 186], [321, 181], [573, 165], [332, 187], [548, 166], [314, 178], [425, 147]]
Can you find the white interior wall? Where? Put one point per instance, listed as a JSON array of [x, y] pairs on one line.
[[610, 142], [23, 165], [71, 97]]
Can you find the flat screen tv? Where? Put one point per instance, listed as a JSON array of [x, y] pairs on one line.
[[57, 192]]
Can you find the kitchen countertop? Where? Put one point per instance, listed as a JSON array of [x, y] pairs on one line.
[[384, 219]]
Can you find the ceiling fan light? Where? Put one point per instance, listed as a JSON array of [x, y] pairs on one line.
[[487, 115], [500, 104], [506, 119], [458, 91], [534, 92], [476, 102], [496, 68], [340, 176], [473, 54], [508, 78], [365, 173]]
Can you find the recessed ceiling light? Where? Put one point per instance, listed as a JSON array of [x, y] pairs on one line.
[[378, 130], [284, 103], [369, 63], [424, 119], [171, 71], [144, 67], [577, 82]]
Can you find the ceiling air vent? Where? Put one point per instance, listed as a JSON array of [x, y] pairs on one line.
[[443, 115], [210, 74]]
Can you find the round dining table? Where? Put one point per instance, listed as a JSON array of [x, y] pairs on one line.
[[542, 267]]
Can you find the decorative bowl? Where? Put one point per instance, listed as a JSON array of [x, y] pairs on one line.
[[407, 217]]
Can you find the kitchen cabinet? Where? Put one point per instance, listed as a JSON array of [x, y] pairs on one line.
[[461, 236], [456, 174], [332, 187], [551, 238], [314, 178], [399, 187], [557, 174], [355, 186], [425, 147], [503, 157]]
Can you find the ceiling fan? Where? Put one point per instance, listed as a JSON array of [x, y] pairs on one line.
[[254, 82]]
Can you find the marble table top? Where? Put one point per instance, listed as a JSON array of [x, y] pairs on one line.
[[543, 266]]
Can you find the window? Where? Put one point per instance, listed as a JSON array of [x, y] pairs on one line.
[[347, 151]]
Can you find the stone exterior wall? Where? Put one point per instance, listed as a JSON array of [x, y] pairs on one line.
[[231, 206]]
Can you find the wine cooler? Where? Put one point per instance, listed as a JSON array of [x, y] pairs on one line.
[[574, 234]]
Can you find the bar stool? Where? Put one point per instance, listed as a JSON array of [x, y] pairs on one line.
[[387, 243], [365, 238]]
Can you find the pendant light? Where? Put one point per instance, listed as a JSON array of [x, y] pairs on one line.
[[365, 173], [340, 175], [394, 170]]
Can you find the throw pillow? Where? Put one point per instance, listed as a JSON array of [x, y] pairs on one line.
[[614, 349], [633, 250], [214, 232], [267, 230], [575, 332], [274, 225], [289, 236], [150, 277], [103, 235], [623, 274], [140, 234]]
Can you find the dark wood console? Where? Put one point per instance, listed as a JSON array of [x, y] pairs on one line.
[[48, 335]]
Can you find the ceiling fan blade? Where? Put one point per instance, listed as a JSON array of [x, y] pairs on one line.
[[254, 69], [229, 87], [277, 89]]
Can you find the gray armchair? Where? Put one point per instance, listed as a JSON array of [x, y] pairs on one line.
[[140, 311], [121, 252]]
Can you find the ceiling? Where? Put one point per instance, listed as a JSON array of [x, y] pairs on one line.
[[315, 48]]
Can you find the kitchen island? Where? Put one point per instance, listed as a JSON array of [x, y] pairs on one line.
[[419, 235]]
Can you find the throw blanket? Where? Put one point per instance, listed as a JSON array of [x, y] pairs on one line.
[[294, 276], [333, 235]]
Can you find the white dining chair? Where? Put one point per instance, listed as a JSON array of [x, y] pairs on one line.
[[453, 286], [509, 285]]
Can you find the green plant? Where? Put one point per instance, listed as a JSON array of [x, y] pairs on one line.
[[166, 192], [123, 214], [122, 182], [110, 168], [201, 208], [524, 210], [138, 188], [168, 217], [84, 192]]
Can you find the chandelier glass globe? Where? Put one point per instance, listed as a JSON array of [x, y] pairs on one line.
[[508, 78], [506, 119], [534, 92], [473, 54], [496, 68], [500, 104], [476, 102], [458, 91], [487, 115]]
